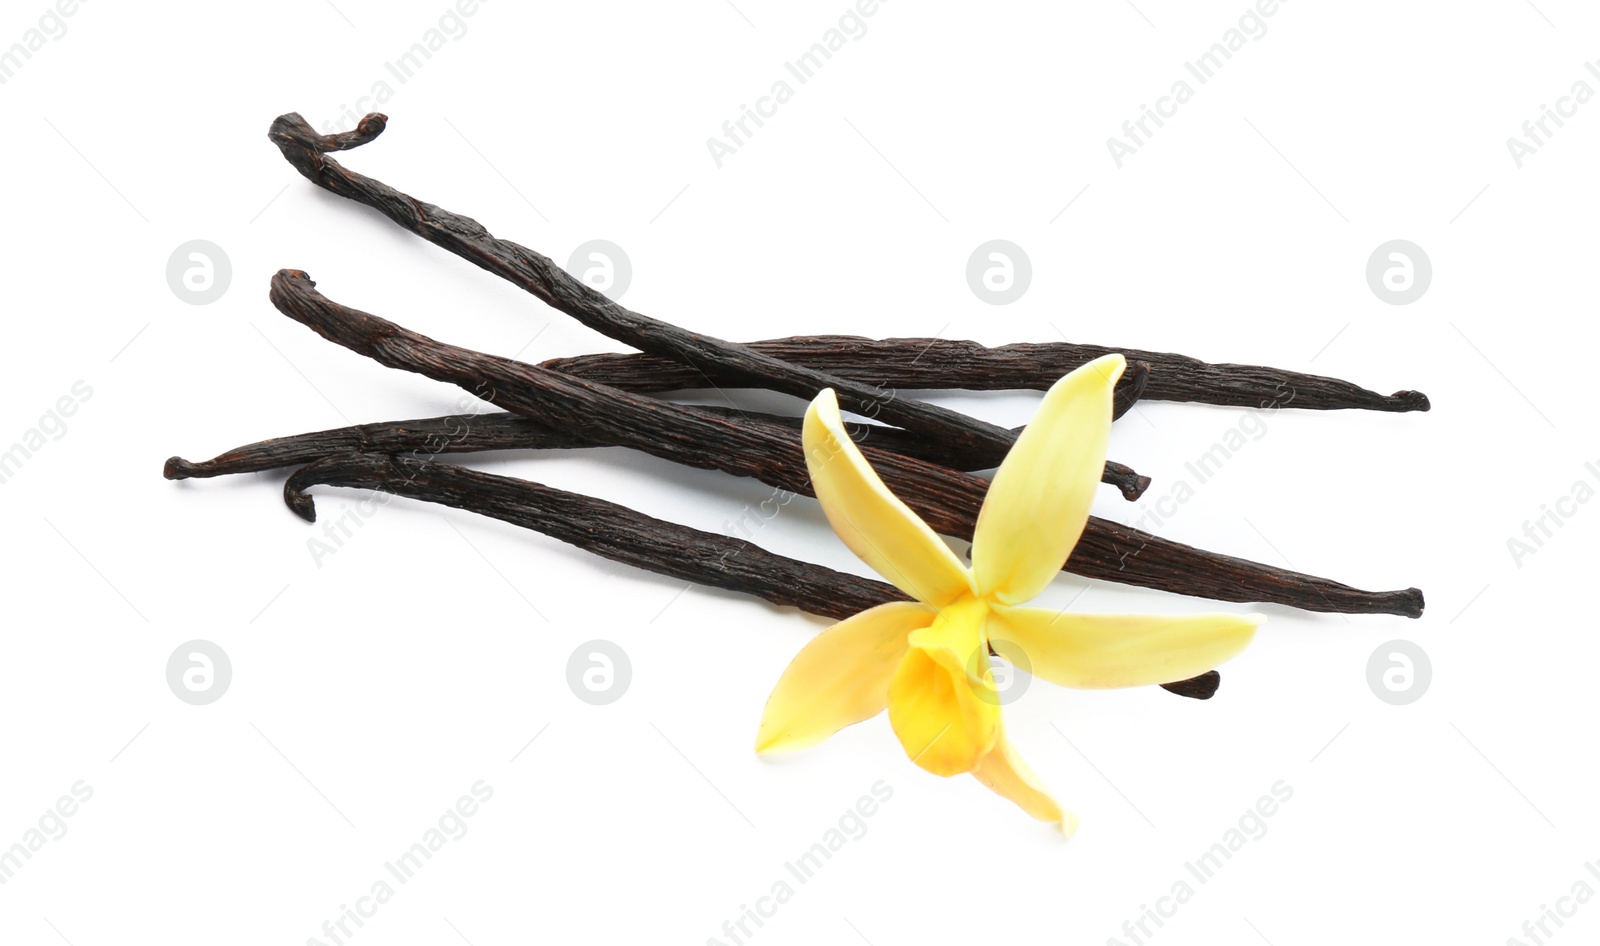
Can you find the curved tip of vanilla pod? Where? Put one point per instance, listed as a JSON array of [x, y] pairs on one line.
[[1130, 387], [298, 501], [1410, 401], [293, 275], [290, 130], [1203, 687], [283, 280], [177, 468]]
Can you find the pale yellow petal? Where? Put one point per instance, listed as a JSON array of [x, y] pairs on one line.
[[1039, 501], [870, 519], [840, 677], [1099, 651], [942, 720], [1008, 776]]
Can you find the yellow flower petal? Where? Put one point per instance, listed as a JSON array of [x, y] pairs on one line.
[[935, 706], [1098, 651], [1007, 775], [840, 678], [1039, 501], [872, 521], [956, 637]]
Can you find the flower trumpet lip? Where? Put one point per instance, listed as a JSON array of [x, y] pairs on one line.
[[927, 661]]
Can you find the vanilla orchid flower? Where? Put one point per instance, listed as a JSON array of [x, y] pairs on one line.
[[927, 660]]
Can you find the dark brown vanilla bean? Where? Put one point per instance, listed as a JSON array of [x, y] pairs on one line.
[[540, 276], [621, 535], [1203, 687], [949, 501], [685, 359], [940, 363], [607, 529], [476, 433], [1129, 389]]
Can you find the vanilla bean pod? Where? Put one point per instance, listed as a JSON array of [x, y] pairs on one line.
[[476, 433], [690, 358], [864, 358], [605, 528], [620, 534], [941, 363], [949, 501], [537, 274]]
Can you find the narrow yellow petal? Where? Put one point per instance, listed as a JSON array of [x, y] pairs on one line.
[[871, 520], [1039, 501], [945, 724], [840, 677], [1099, 651], [1010, 777]]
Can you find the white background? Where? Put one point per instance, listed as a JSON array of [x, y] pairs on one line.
[[370, 692]]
